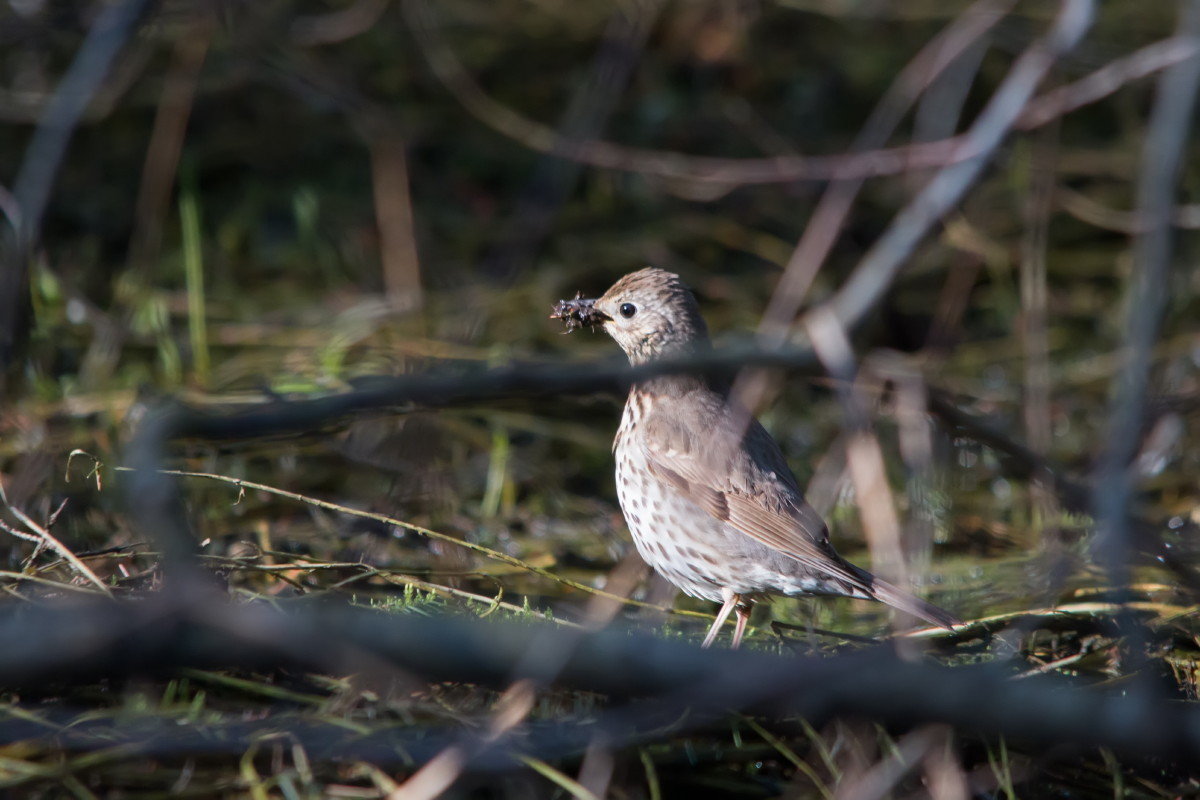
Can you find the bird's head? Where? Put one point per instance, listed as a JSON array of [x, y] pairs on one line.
[[650, 313]]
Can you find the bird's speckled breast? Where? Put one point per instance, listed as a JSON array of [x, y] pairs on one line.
[[690, 548], [668, 531]]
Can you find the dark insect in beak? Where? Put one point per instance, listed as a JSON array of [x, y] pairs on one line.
[[578, 313]]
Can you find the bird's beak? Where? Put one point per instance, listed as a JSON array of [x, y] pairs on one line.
[[579, 312]]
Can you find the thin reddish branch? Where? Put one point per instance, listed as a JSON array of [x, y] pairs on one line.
[[893, 249], [676, 166]]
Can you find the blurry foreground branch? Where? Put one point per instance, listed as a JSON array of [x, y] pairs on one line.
[[90, 642]]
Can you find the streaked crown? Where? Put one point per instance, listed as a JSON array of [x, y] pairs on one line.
[[651, 314]]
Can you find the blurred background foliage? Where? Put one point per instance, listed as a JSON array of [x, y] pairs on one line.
[[281, 198]]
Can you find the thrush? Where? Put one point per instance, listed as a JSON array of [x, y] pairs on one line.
[[706, 492]]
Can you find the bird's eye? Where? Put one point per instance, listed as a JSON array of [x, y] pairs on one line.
[[628, 310]]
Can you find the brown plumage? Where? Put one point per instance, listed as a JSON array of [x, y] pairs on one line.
[[714, 509]]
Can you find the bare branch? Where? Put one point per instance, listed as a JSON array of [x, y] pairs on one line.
[[88, 641], [1170, 123], [894, 248]]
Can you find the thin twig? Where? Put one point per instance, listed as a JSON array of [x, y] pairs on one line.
[[513, 561], [43, 535]]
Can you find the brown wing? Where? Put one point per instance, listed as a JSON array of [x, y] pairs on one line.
[[747, 484], [749, 487]]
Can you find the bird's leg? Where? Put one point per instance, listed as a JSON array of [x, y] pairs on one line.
[[743, 616], [731, 600]]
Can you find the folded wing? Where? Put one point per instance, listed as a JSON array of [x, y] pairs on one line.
[[748, 485]]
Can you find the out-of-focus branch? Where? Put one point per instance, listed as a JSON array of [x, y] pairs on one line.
[[337, 26], [1170, 123], [1085, 209], [45, 153], [398, 254], [154, 499], [665, 164], [1018, 461], [593, 102], [39, 168], [895, 247], [166, 141], [781, 169], [152, 495], [1042, 155], [831, 212], [1107, 80], [753, 386], [87, 642], [159, 171], [448, 387], [864, 456]]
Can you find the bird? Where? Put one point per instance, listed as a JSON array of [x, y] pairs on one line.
[[706, 492]]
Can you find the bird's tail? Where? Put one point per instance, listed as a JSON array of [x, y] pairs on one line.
[[898, 598]]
